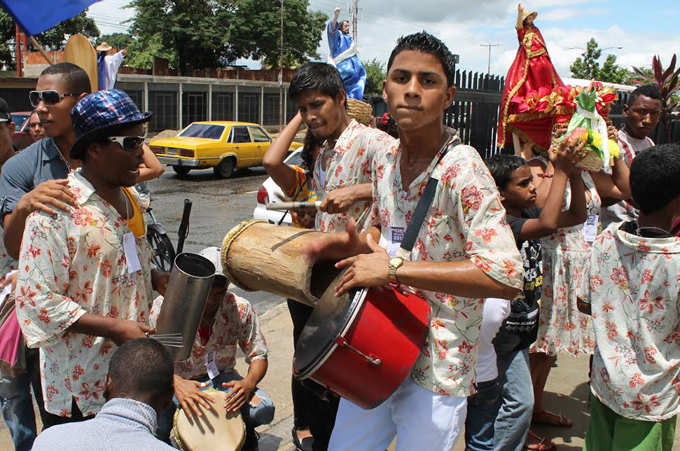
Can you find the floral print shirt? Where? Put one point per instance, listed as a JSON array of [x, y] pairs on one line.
[[634, 292], [72, 264], [465, 221], [235, 324], [349, 164]]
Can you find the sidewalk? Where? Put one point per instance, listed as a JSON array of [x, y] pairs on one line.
[[566, 391]]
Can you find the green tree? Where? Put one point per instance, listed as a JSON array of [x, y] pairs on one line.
[[613, 73], [116, 40], [53, 39], [586, 66], [375, 74]]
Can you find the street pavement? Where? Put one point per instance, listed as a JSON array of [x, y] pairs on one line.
[[218, 205]]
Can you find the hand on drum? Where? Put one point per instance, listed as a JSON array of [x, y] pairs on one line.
[[303, 218], [336, 246], [364, 270], [240, 392], [189, 395]]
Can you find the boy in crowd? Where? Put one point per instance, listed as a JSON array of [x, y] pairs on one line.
[[632, 296], [464, 253], [642, 113], [138, 386], [529, 223], [227, 321]]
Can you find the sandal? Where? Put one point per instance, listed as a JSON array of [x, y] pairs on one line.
[[302, 445], [542, 443], [562, 421]]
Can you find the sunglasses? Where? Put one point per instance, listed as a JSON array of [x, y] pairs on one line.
[[50, 97], [128, 142]]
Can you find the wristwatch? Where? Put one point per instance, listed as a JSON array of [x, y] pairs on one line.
[[395, 263]]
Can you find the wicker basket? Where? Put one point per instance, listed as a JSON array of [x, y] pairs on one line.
[[359, 110], [592, 162]]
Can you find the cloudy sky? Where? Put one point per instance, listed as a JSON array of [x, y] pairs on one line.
[[642, 29]]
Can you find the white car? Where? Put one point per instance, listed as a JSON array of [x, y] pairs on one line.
[[270, 192]]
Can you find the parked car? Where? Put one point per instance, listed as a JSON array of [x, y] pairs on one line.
[[271, 192], [220, 145], [22, 137]]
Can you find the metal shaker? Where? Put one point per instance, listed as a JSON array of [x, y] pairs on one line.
[[185, 298]]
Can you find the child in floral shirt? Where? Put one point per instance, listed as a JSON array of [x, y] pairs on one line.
[[633, 296]]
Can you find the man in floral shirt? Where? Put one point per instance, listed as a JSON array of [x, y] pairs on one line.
[[464, 253], [633, 296], [85, 276], [228, 321]]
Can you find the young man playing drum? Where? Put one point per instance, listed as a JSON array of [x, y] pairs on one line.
[[228, 321], [464, 252]]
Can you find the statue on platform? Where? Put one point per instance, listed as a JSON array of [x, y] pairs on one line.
[[532, 76], [343, 55]]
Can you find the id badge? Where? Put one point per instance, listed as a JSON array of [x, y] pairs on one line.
[[391, 243], [213, 372], [130, 248], [590, 228]]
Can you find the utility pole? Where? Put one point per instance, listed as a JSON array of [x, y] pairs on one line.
[[281, 74], [354, 13], [488, 66]]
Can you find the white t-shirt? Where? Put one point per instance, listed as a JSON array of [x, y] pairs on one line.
[[495, 312], [623, 211]]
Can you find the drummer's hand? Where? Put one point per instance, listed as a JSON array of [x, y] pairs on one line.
[[303, 218], [364, 270], [337, 245], [126, 330], [240, 393], [189, 395], [159, 281], [339, 200]]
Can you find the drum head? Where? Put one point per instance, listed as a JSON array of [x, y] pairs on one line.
[[216, 429], [328, 320]]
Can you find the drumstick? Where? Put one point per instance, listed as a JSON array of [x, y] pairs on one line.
[[293, 205]]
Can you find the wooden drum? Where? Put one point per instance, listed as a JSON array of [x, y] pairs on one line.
[[257, 255]]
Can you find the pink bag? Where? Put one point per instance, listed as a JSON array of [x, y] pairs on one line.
[[10, 337]]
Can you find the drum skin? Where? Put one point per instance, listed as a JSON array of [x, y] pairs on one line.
[[391, 326]]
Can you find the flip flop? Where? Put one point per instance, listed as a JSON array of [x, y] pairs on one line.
[[562, 421], [302, 445], [543, 444]]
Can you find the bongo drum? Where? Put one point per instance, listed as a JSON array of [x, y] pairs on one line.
[[257, 255], [216, 429], [363, 345]]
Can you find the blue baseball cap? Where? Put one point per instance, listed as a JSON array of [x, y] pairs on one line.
[[102, 114]]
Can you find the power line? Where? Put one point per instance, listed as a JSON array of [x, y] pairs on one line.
[[488, 67]]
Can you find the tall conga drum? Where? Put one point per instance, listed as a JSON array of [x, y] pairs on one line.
[[257, 255]]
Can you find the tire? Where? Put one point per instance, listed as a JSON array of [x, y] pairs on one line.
[[181, 170], [225, 169], [163, 250]]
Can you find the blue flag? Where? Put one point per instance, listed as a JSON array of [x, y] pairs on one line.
[[36, 16]]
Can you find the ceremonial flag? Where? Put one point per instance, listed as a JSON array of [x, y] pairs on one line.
[[36, 16]]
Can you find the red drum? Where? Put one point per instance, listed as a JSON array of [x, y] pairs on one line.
[[363, 345]]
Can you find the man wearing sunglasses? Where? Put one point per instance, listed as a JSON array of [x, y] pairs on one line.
[[86, 279], [642, 112], [35, 178]]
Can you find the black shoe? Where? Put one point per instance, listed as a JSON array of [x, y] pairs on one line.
[[252, 438], [305, 445]]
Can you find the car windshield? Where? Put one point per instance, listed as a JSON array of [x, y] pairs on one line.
[[295, 158], [19, 119], [208, 131]]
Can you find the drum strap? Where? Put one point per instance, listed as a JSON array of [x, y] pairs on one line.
[[423, 205]]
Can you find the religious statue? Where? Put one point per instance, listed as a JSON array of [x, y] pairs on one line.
[[532, 75], [343, 55]]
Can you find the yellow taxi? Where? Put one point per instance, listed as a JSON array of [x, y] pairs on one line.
[[221, 145]]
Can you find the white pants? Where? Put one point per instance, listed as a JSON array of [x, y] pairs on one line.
[[421, 420]]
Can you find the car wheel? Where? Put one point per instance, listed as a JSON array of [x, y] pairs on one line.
[[225, 169], [181, 170]]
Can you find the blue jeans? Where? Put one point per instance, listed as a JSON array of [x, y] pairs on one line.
[[253, 416], [17, 410], [517, 401], [481, 414]]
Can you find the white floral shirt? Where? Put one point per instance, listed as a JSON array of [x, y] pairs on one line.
[[465, 221], [72, 264], [235, 324], [349, 164], [634, 292]]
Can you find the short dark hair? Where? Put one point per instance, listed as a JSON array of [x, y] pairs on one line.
[[654, 177], [502, 166], [318, 77], [426, 43], [142, 367], [651, 91], [77, 80]]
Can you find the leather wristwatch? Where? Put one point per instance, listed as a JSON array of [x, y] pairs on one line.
[[395, 263]]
